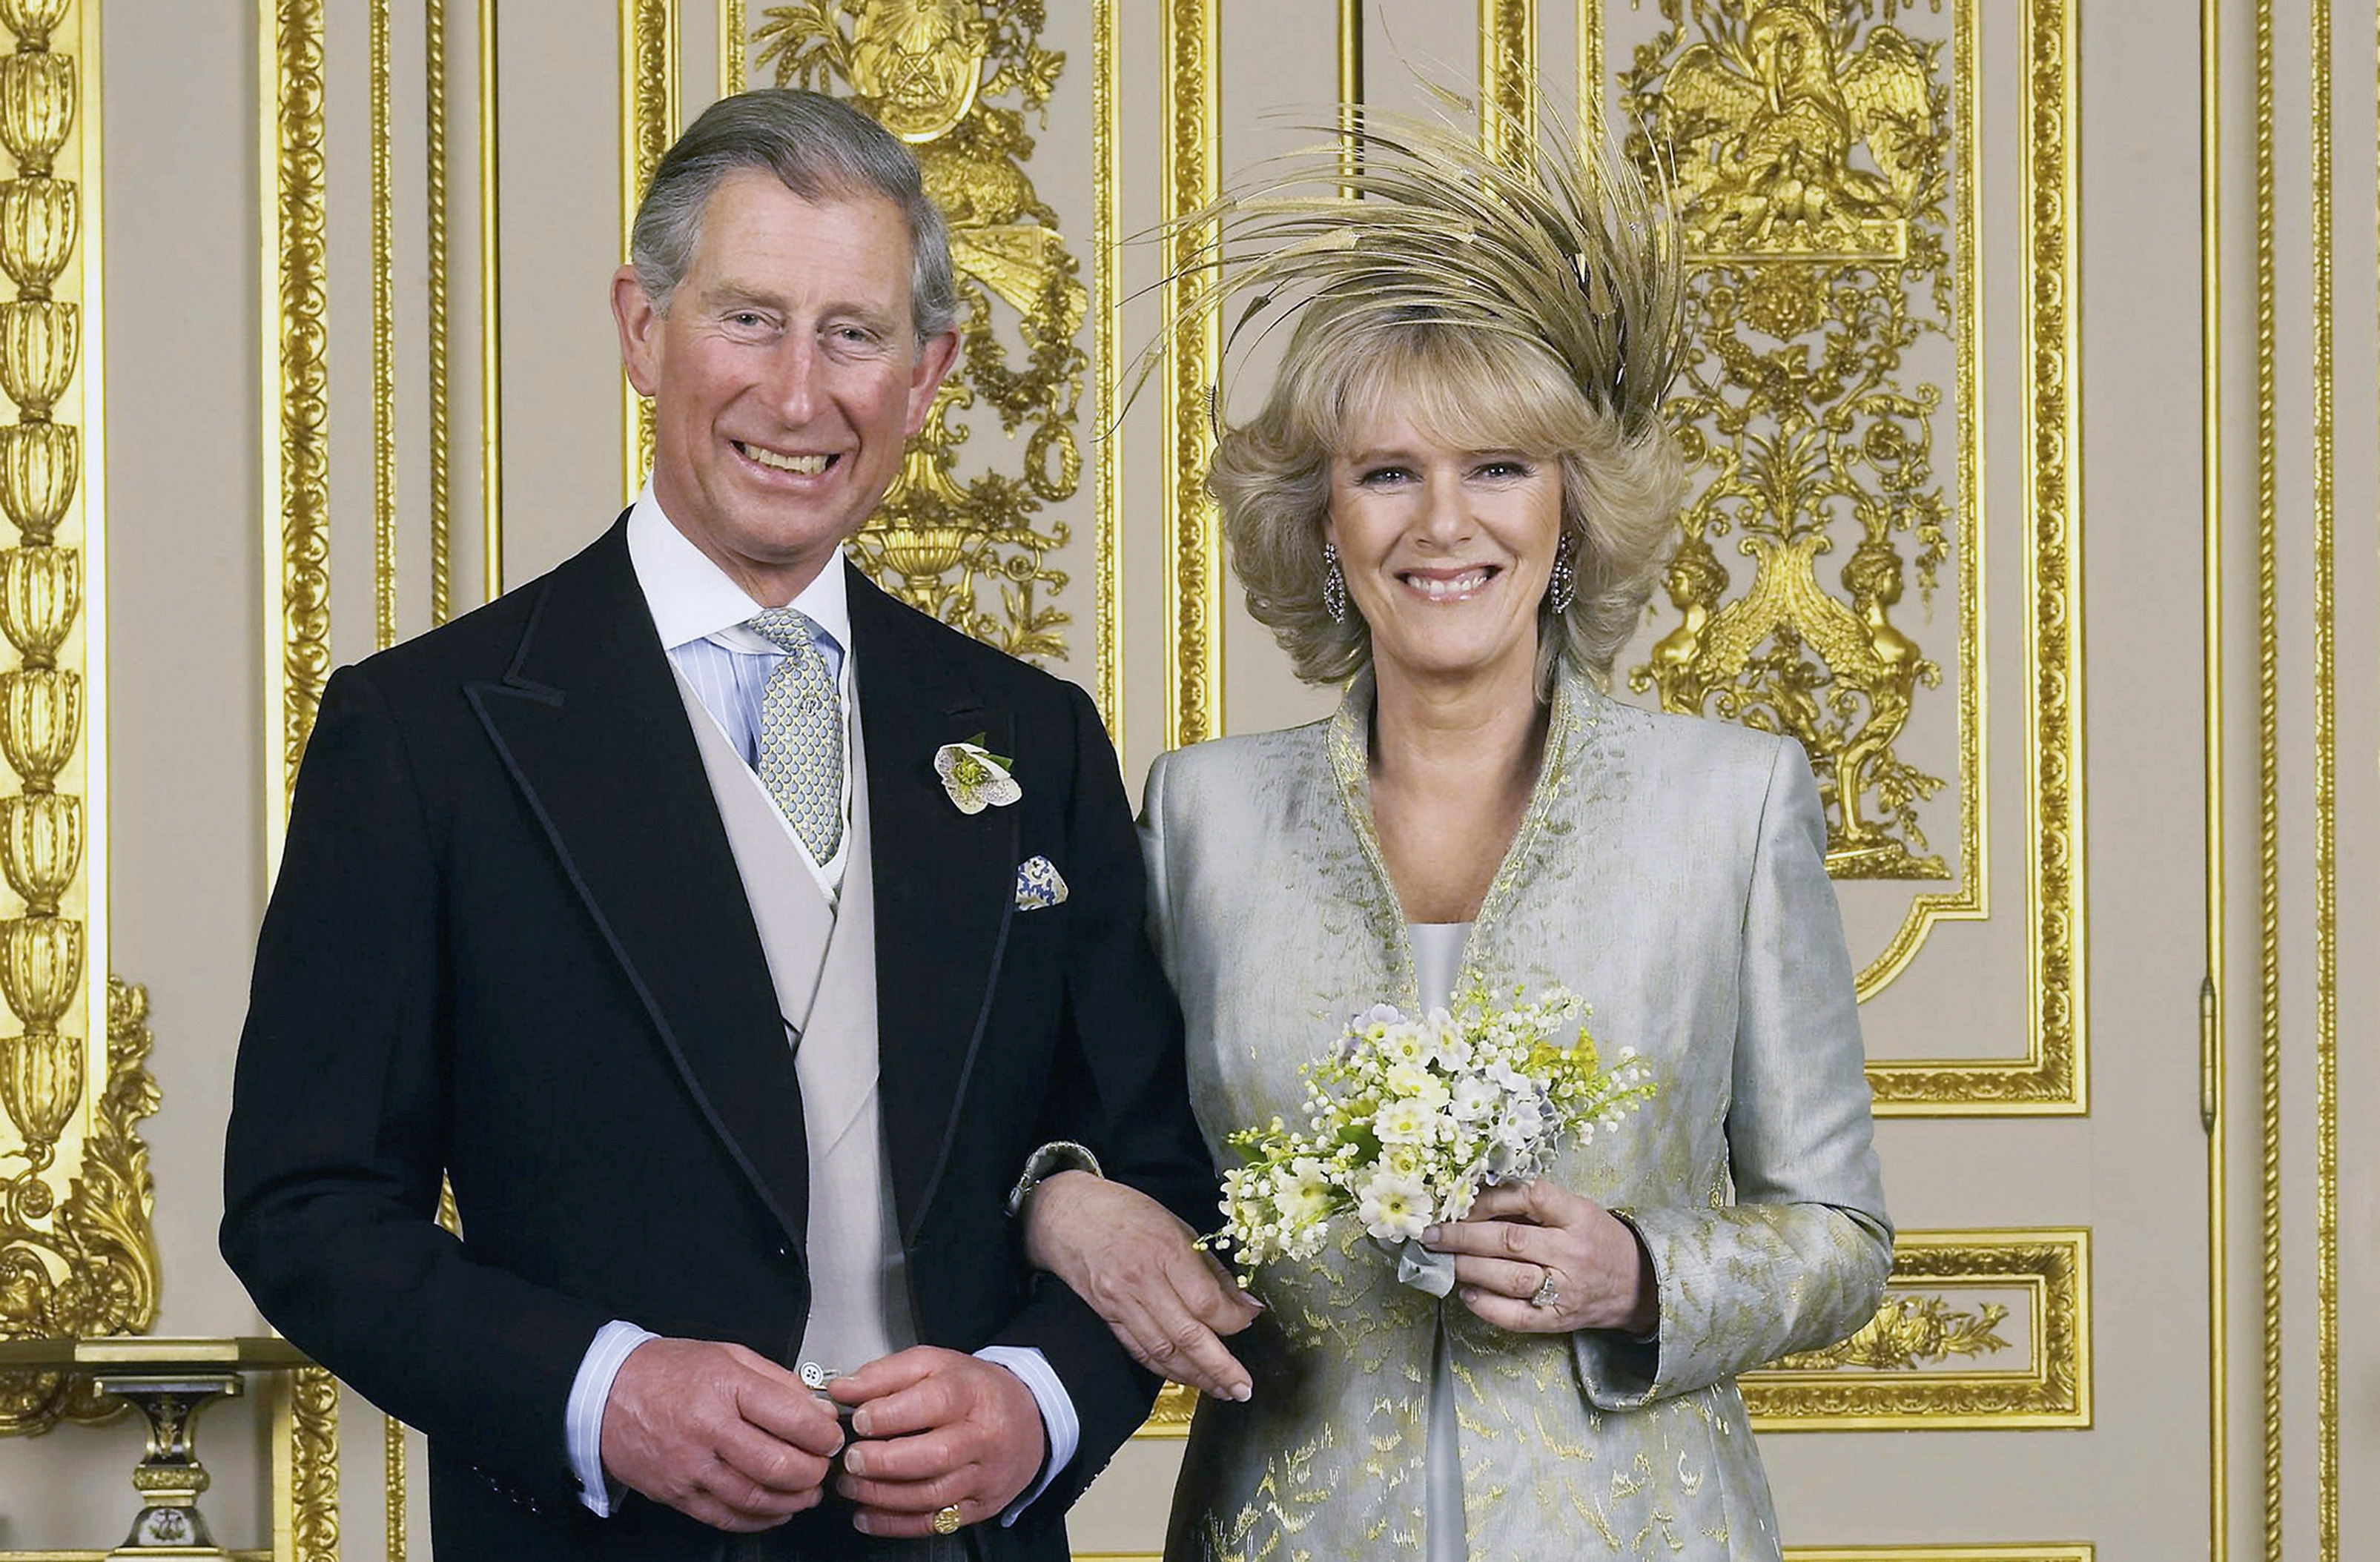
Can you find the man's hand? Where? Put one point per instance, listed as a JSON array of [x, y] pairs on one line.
[[718, 1433], [1137, 1263], [936, 1429]]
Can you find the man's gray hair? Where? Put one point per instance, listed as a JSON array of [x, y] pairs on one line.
[[820, 148]]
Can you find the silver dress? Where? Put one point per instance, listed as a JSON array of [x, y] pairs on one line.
[[1671, 872]]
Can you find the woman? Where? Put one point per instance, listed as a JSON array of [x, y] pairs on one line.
[[1457, 499]]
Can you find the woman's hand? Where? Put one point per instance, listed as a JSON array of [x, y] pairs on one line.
[[1168, 1300], [1523, 1235]]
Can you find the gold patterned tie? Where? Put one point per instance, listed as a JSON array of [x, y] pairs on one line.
[[801, 732]]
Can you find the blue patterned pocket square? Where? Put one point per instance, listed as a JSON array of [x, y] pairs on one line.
[[1038, 886]]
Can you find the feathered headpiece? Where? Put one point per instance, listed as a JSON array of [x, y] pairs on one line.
[[1398, 217]]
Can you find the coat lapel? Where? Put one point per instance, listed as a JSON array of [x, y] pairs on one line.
[[589, 724], [945, 884]]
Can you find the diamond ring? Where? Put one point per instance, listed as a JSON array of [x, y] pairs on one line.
[[1547, 1295]]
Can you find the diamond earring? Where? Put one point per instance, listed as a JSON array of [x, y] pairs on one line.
[[1565, 577], [1334, 585]]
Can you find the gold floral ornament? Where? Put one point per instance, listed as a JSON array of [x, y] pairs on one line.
[[941, 75], [1807, 143], [976, 778]]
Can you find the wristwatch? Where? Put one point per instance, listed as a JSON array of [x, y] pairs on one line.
[[1063, 1155]]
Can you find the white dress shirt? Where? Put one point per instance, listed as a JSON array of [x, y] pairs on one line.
[[700, 615]]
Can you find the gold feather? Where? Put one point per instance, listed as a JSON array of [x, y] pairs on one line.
[[1574, 250]]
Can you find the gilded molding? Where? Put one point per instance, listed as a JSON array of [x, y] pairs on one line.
[[2268, 791], [1106, 457], [733, 47], [306, 1468], [433, 32], [648, 117], [1188, 66], [1507, 78], [2212, 1066], [2325, 809], [1893, 1375], [958, 82], [2082, 1552], [383, 335], [75, 1221], [492, 405], [1593, 87], [297, 398]]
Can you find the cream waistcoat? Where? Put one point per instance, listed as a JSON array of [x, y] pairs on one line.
[[822, 961]]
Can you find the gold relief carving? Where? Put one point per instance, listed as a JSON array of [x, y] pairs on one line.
[[1810, 150], [1107, 223], [1908, 1333], [306, 1499], [1170, 1417], [1895, 1373], [974, 552], [87, 1265], [297, 395]]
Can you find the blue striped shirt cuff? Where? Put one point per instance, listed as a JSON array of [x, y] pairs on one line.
[[1064, 1431], [583, 1418]]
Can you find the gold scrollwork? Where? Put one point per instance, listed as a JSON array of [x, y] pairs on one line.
[[936, 73], [1810, 149], [77, 1254], [306, 1467], [1892, 1374], [86, 1265]]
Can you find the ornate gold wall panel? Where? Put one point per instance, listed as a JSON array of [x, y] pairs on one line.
[[76, 1253], [1933, 1359], [1825, 158], [958, 79]]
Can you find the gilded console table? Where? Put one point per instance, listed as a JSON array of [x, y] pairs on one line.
[[170, 1382]]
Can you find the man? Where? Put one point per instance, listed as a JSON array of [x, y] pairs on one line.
[[615, 901]]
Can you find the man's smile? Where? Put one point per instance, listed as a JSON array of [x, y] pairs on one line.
[[809, 464]]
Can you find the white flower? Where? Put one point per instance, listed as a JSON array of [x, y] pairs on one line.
[[1303, 1191], [1406, 1121], [1395, 1208], [1473, 1098], [974, 778]]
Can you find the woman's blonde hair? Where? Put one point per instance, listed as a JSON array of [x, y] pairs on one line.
[[1470, 389]]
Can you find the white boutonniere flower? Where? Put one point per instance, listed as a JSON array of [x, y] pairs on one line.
[[976, 778]]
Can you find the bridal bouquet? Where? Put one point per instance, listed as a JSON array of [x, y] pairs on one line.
[[1409, 1118]]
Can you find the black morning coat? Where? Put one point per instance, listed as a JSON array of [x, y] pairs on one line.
[[508, 944]]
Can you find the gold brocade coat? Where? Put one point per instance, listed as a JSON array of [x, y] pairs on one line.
[[1671, 871]]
